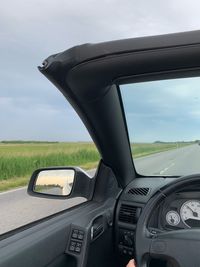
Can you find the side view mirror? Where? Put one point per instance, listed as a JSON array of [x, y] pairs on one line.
[[60, 182], [54, 182]]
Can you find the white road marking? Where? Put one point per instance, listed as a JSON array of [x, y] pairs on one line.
[[13, 190], [167, 168]]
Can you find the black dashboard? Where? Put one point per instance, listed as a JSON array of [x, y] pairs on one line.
[[179, 210]]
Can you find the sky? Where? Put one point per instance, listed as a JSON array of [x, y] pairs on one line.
[[166, 110], [31, 108]]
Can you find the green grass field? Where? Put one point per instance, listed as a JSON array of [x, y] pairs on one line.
[[145, 149], [19, 160]]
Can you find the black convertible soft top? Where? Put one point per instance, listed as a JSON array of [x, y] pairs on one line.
[[89, 75], [86, 52]]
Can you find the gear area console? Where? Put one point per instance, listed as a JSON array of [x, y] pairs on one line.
[[126, 243], [126, 220], [129, 208]]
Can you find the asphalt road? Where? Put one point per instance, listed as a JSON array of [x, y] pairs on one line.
[[17, 208], [181, 161]]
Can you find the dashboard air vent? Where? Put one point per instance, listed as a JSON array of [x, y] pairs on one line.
[[129, 214], [142, 191]]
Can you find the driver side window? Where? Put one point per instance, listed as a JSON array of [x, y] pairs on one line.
[[38, 132]]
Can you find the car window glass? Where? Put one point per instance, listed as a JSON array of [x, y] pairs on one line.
[[163, 123], [36, 133]]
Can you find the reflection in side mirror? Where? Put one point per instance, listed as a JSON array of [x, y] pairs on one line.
[[54, 182]]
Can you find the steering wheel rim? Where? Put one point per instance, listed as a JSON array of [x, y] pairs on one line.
[[165, 245]]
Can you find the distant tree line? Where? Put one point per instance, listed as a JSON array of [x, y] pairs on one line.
[[28, 142], [176, 142]]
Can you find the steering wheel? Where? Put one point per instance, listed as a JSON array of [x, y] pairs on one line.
[[179, 247]]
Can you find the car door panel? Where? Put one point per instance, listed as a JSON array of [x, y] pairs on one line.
[[48, 242], [45, 243]]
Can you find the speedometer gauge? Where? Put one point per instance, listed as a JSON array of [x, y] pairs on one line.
[[190, 213], [172, 218]]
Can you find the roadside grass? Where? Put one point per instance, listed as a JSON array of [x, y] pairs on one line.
[[145, 149], [12, 183], [19, 160]]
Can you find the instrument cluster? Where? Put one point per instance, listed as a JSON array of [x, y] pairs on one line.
[[182, 211]]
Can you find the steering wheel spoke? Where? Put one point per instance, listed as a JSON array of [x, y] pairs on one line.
[[144, 243], [180, 247]]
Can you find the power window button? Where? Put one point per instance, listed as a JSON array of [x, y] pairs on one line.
[[80, 237], [71, 248], [78, 249], [75, 234]]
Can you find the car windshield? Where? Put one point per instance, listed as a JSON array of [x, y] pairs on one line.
[[163, 120]]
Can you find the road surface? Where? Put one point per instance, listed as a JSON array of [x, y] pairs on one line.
[[17, 208], [181, 161]]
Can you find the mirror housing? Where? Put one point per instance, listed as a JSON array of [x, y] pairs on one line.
[[60, 183]]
